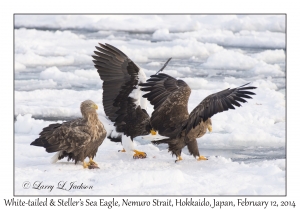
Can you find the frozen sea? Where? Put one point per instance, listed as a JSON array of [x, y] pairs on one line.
[[54, 73]]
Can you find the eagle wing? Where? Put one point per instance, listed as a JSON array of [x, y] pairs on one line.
[[120, 77], [70, 136], [218, 102], [169, 97]]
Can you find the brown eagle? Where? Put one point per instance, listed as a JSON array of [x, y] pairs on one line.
[[121, 101], [75, 139], [170, 117]]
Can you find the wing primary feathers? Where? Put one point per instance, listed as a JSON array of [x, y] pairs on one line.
[[218, 102], [120, 77]]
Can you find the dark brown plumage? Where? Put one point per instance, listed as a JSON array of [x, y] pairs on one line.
[[170, 118], [75, 139], [120, 77]]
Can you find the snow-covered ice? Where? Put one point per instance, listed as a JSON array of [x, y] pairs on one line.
[[54, 73]]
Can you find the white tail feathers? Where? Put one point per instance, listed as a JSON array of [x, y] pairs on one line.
[[54, 159]]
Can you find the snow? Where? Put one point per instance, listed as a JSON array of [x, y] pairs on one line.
[[54, 73], [120, 174]]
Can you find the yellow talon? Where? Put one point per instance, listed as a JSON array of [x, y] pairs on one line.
[[90, 165], [139, 154], [153, 132], [92, 162], [178, 159], [85, 165], [202, 158]]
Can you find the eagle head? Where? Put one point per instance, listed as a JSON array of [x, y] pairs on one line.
[[87, 107]]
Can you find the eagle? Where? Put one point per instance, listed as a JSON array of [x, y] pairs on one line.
[[75, 139], [171, 118], [122, 80], [122, 96]]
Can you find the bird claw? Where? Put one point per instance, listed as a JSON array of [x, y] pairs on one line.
[[139, 155], [202, 158], [179, 159], [93, 166]]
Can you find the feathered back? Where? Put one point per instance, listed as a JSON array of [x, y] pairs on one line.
[[169, 97]]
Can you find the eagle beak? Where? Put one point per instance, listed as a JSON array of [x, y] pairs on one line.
[[95, 106], [209, 128], [153, 132]]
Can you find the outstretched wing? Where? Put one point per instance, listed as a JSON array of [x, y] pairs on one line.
[[169, 97], [120, 77], [218, 102]]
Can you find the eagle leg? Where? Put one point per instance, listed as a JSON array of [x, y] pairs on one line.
[[92, 162], [201, 158], [85, 165], [90, 165], [179, 159], [139, 154]]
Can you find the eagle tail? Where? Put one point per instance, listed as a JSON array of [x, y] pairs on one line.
[[56, 157], [42, 142]]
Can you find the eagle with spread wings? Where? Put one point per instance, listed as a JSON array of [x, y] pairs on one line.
[[122, 99], [171, 118], [122, 80]]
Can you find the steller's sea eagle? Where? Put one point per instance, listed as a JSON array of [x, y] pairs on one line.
[[170, 117], [121, 96], [75, 139]]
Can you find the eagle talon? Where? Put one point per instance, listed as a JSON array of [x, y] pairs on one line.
[[201, 158], [179, 159], [91, 164], [139, 155]]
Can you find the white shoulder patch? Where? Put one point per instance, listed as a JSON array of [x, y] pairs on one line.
[[137, 93]]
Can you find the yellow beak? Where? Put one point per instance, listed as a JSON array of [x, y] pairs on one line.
[[95, 106], [153, 132], [209, 128]]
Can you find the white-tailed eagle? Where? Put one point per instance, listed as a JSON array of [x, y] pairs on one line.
[[170, 117], [75, 139]]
